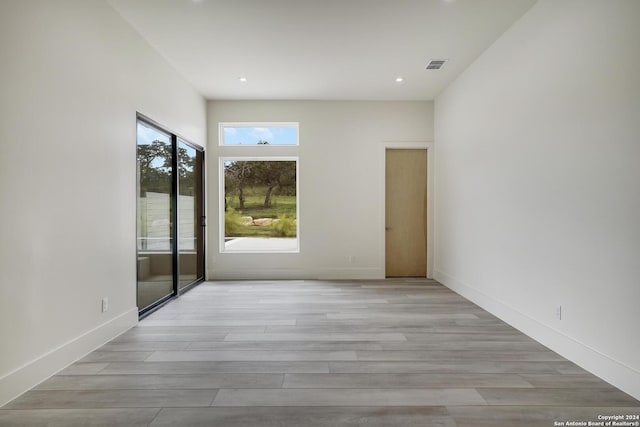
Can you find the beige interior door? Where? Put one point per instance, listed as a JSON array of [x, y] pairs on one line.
[[406, 213]]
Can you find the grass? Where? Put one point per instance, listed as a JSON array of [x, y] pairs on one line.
[[282, 208], [280, 205]]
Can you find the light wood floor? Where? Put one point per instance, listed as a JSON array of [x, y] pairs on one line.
[[319, 353]]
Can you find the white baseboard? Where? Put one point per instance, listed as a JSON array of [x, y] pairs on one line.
[[372, 273], [33, 373], [295, 274], [614, 372], [258, 274]]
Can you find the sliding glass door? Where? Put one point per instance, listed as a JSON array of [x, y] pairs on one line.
[[170, 204], [191, 220], [155, 202]]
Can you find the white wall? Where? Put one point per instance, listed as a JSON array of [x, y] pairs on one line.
[[73, 76], [341, 193], [537, 200]]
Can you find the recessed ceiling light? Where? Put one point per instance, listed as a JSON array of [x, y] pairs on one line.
[[242, 79], [399, 79]]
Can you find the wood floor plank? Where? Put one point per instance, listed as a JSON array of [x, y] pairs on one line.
[[222, 323], [145, 328], [116, 356], [411, 380], [315, 300], [463, 346], [436, 416], [80, 368], [399, 316], [243, 355], [134, 368], [145, 345], [348, 397], [585, 381], [448, 366], [479, 336], [287, 345], [316, 337], [83, 399], [130, 417], [370, 329], [164, 381], [391, 355], [170, 337]]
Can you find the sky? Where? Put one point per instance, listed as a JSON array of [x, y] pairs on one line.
[[251, 135], [146, 135]]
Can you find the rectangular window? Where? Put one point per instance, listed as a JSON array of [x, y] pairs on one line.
[[254, 134], [259, 210]]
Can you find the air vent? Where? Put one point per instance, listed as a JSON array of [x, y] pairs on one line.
[[436, 64]]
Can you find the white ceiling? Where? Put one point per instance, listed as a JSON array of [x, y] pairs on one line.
[[320, 49]]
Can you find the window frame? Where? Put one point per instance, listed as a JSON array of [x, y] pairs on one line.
[[223, 125], [221, 193]]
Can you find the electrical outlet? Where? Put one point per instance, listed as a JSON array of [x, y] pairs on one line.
[[559, 312], [105, 304], [350, 259]]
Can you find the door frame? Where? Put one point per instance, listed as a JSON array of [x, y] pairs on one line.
[[399, 145]]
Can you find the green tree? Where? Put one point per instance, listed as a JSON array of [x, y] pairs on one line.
[[186, 175], [274, 174], [155, 167], [237, 174]]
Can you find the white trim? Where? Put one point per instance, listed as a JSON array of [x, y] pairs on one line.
[[348, 273], [296, 274], [222, 125], [429, 146], [613, 371], [32, 373], [221, 236]]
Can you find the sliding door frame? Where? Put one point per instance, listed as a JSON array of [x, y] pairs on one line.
[[175, 246], [202, 220]]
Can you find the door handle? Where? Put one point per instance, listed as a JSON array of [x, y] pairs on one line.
[[203, 221], [387, 228]]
